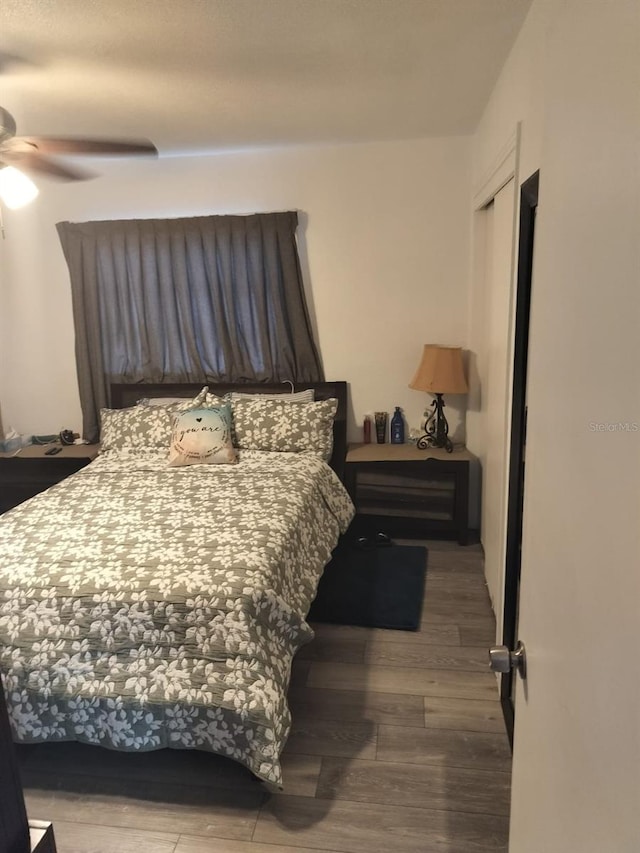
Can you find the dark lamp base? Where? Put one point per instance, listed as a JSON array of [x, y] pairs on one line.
[[436, 428]]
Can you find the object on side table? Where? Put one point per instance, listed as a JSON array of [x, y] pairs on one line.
[[367, 430], [397, 427], [440, 372], [381, 427], [13, 442]]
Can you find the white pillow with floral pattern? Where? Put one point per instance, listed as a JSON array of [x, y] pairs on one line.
[[276, 425], [133, 428]]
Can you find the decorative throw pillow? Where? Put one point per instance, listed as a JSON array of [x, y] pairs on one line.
[[206, 398], [275, 425], [134, 428], [202, 436]]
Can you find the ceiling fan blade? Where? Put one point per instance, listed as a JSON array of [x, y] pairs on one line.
[[31, 161], [7, 124], [89, 147]]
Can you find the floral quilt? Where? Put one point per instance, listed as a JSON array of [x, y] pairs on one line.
[[143, 606]]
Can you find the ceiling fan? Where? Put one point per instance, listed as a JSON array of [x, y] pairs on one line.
[[32, 153]]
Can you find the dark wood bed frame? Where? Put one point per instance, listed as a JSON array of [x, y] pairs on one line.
[[124, 395], [17, 834]]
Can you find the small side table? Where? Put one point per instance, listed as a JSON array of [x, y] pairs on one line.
[[403, 491], [29, 472]]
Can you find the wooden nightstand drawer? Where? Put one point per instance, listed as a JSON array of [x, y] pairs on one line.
[[405, 492], [394, 492]]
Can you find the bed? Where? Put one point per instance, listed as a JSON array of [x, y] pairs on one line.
[[144, 606]]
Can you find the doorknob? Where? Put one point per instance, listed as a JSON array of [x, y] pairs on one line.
[[502, 659]]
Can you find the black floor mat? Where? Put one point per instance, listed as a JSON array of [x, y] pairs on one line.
[[376, 587]]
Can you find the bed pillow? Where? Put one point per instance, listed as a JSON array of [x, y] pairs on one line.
[[202, 436], [307, 396], [262, 424], [163, 401], [134, 428], [174, 404]]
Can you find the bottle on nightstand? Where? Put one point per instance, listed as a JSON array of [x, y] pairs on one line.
[[367, 430], [397, 427]]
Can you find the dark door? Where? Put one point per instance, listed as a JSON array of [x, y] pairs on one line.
[[528, 206]]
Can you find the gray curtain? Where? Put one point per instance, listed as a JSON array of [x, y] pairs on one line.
[[186, 300]]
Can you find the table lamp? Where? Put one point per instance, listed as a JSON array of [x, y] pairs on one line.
[[440, 372]]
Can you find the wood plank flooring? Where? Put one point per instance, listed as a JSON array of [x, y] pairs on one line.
[[397, 745]]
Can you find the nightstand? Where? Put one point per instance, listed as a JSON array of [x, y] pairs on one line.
[[29, 471], [403, 491]]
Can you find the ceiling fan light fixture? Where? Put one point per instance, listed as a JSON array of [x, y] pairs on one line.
[[16, 189]]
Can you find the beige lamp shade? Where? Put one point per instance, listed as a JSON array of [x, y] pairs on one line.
[[440, 371]]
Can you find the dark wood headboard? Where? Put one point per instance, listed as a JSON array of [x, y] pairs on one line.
[[124, 395]]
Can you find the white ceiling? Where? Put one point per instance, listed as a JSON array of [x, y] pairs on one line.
[[206, 75]]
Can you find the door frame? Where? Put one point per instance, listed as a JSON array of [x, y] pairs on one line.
[[528, 203], [505, 168]]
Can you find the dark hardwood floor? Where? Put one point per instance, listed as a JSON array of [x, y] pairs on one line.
[[398, 745]]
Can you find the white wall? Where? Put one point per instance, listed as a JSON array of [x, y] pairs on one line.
[[518, 96], [508, 138], [384, 243]]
